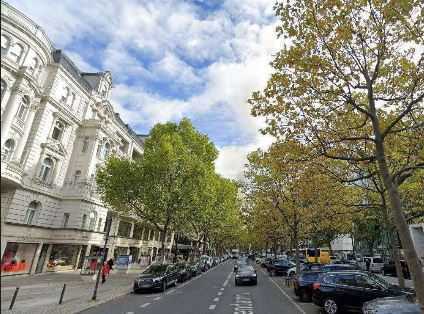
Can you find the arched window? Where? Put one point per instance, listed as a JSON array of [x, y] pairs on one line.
[[16, 52], [46, 169], [77, 176], [33, 66], [3, 88], [9, 148], [5, 44], [84, 222], [33, 207], [23, 108], [93, 218], [58, 128]]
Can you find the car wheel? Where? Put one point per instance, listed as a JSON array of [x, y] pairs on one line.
[[163, 287], [291, 274], [331, 306], [304, 296]]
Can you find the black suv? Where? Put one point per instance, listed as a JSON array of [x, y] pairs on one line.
[[156, 276], [335, 291]]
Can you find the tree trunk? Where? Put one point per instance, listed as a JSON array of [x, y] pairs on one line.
[[398, 217], [162, 240], [296, 247], [176, 248], [204, 245], [396, 259]]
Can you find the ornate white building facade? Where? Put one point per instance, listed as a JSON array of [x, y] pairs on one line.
[[57, 129]]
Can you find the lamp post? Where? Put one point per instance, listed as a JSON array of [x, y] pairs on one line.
[[103, 258]]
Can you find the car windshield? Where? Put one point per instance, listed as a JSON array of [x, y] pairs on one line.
[[380, 281], [246, 269], [155, 269]]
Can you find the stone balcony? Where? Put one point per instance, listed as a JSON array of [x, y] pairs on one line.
[[11, 173]]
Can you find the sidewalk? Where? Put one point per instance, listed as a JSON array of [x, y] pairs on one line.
[[40, 294]]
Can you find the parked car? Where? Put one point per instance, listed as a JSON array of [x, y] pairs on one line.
[[156, 277], [303, 284], [246, 274], [184, 272], [279, 267], [266, 262], [336, 291], [338, 267], [392, 305], [206, 260], [389, 269], [195, 268], [376, 263]]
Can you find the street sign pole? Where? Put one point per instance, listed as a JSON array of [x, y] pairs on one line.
[[108, 225]]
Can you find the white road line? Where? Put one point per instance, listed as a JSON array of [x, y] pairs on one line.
[[212, 307], [225, 283], [216, 300], [170, 291], [157, 298], [286, 295], [130, 312], [145, 305], [222, 289], [219, 293]]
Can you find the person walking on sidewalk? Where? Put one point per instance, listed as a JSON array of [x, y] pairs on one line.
[[105, 271], [110, 263]]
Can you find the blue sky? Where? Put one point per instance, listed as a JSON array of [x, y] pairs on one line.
[[172, 59]]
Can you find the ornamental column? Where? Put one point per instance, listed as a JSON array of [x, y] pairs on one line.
[[27, 129], [10, 112]]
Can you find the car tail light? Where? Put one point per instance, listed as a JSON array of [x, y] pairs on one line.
[[316, 285]]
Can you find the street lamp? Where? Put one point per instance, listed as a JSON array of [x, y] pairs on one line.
[[103, 258]]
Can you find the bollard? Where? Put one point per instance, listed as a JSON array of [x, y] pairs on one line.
[[14, 298], [62, 294]]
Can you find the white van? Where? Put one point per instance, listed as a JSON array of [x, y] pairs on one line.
[[376, 263]]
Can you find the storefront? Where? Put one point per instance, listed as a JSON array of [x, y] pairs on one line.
[[134, 252], [63, 257], [120, 250], [18, 258]]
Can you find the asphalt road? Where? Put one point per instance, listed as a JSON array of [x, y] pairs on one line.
[[213, 292]]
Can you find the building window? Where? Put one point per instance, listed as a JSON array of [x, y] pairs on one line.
[[84, 222], [93, 218], [72, 100], [16, 52], [77, 176], [65, 220], [3, 89], [5, 44], [33, 66], [23, 108], [30, 213], [8, 150], [85, 143], [124, 229], [99, 225], [46, 169], [58, 129], [65, 96]]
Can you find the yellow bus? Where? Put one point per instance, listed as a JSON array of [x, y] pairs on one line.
[[321, 256]]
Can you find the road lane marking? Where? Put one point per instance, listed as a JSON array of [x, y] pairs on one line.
[[243, 304], [145, 305], [157, 298], [212, 307], [286, 295], [170, 291], [216, 300], [222, 289], [219, 293]]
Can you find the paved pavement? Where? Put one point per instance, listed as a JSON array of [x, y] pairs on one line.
[[40, 293], [213, 292]]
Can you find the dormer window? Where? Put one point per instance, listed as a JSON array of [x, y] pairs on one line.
[[58, 129], [5, 44], [16, 52], [33, 66]]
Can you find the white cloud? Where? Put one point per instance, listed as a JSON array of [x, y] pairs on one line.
[[223, 55]]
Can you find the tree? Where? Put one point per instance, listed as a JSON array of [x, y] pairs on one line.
[[159, 186], [346, 61]]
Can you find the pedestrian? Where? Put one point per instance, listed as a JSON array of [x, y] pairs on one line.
[[110, 263], [368, 263], [105, 272]]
